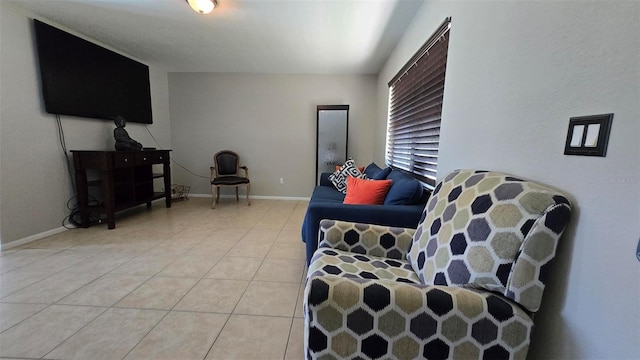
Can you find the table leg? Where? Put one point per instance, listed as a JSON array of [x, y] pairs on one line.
[[109, 201]]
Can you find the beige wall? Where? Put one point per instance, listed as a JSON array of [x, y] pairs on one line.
[[517, 71], [270, 120], [36, 183]]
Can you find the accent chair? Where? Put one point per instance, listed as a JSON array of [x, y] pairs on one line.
[[225, 173], [464, 285]]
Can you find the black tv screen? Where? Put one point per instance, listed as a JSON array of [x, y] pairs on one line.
[[80, 78]]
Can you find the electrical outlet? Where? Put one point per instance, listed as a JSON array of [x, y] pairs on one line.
[[281, 180]]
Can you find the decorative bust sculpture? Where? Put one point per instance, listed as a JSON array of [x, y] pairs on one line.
[[123, 140]]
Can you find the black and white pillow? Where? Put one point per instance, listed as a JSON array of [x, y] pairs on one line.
[[339, 178]]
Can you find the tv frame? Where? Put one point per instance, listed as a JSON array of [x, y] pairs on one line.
[[81, 78]]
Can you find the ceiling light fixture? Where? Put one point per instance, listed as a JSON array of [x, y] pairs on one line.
[[202, 6]]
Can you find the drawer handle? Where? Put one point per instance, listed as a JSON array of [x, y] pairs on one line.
[[144, 159], [125, 160], [160, 157]]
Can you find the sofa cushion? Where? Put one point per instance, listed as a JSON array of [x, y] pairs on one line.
[[404, 190], [326, 194], [382, 174], [328, 261], [492, 231], [324, 180], [367, 192], [371, 170], [339, 178]]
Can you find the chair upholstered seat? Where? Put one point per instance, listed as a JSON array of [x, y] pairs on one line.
[[230, 180], [385, 319], [344, 263]]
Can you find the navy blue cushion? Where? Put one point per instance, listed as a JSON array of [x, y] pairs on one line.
[[382, 174], [324, 179], [326, 193], [371, 170], [404, 190]]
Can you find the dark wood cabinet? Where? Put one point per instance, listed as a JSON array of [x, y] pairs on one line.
[[125, 178]]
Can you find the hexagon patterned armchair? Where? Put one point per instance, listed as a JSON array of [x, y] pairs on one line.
[[464, 285]]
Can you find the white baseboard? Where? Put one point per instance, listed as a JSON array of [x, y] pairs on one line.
[[34, 237], [44, 234], [290, 198]]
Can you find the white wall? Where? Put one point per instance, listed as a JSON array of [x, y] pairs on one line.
[[517, 71], [270, 120], [35, 183]]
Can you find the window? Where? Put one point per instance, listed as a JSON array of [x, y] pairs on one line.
[[415, 109]]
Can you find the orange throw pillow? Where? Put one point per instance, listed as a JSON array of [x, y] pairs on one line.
[[366, 192]]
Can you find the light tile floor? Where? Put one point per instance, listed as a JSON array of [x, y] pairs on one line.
[[188, 282]]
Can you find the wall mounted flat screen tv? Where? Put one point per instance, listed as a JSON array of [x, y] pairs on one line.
[[80, 78]]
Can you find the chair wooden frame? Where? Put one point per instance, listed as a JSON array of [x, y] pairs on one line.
[[215, 175]]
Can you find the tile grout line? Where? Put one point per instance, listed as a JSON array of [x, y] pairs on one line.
[[149, 248], [183, 296], [236, 305], [77, 331], [245, 291], [105, 308], [177, 302]]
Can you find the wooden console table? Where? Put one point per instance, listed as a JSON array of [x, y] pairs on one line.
[[125, 177]]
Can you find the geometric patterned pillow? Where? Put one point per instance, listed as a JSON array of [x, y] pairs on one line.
[[492, 231], [339, 178]]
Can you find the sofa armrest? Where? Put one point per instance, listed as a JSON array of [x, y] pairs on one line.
[[360, 318], [324, 180], [406, 216], [368, 239]]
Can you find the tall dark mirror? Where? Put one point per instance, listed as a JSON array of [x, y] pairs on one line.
[[331, 137]]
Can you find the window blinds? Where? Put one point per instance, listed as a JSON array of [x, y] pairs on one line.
[[415, 108]]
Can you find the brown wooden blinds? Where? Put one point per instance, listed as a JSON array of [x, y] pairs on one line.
[[415, 108]]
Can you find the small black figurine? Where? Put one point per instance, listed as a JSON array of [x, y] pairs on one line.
[[123, 140]]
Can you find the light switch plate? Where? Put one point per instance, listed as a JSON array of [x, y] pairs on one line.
[[588, 135]]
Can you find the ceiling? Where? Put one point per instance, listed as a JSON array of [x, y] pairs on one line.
[[248, 36]]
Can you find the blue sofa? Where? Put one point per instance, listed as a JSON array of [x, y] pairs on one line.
[[402, 207]]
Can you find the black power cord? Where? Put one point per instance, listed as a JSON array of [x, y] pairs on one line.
[[74, 211], [172, 159]]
